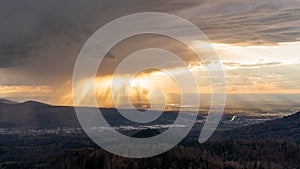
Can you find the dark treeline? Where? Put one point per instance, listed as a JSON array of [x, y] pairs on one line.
[[224, 155], [232, 154]]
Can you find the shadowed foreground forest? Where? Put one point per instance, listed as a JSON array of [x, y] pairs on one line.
[[80, 154], [270, 145], [225, 155]]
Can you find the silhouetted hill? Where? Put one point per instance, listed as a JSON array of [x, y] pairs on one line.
[[146, 133], [287, 128], [37, 115], [4, 101], [34, 103]]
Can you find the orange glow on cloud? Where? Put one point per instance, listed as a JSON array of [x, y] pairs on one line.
[[263, 74], [139, 90], [7, 90]]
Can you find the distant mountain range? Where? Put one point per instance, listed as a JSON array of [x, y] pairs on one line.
[[32, 114]]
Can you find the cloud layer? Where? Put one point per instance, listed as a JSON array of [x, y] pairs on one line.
[[35, 25], [40, 40]]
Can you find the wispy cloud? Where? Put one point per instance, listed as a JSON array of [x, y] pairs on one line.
[[248, 22], [235, 65]]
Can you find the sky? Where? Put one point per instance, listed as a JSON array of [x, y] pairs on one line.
[[257, 41]]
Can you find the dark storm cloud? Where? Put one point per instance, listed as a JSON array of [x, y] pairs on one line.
[[26, 26], [41, 39]]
